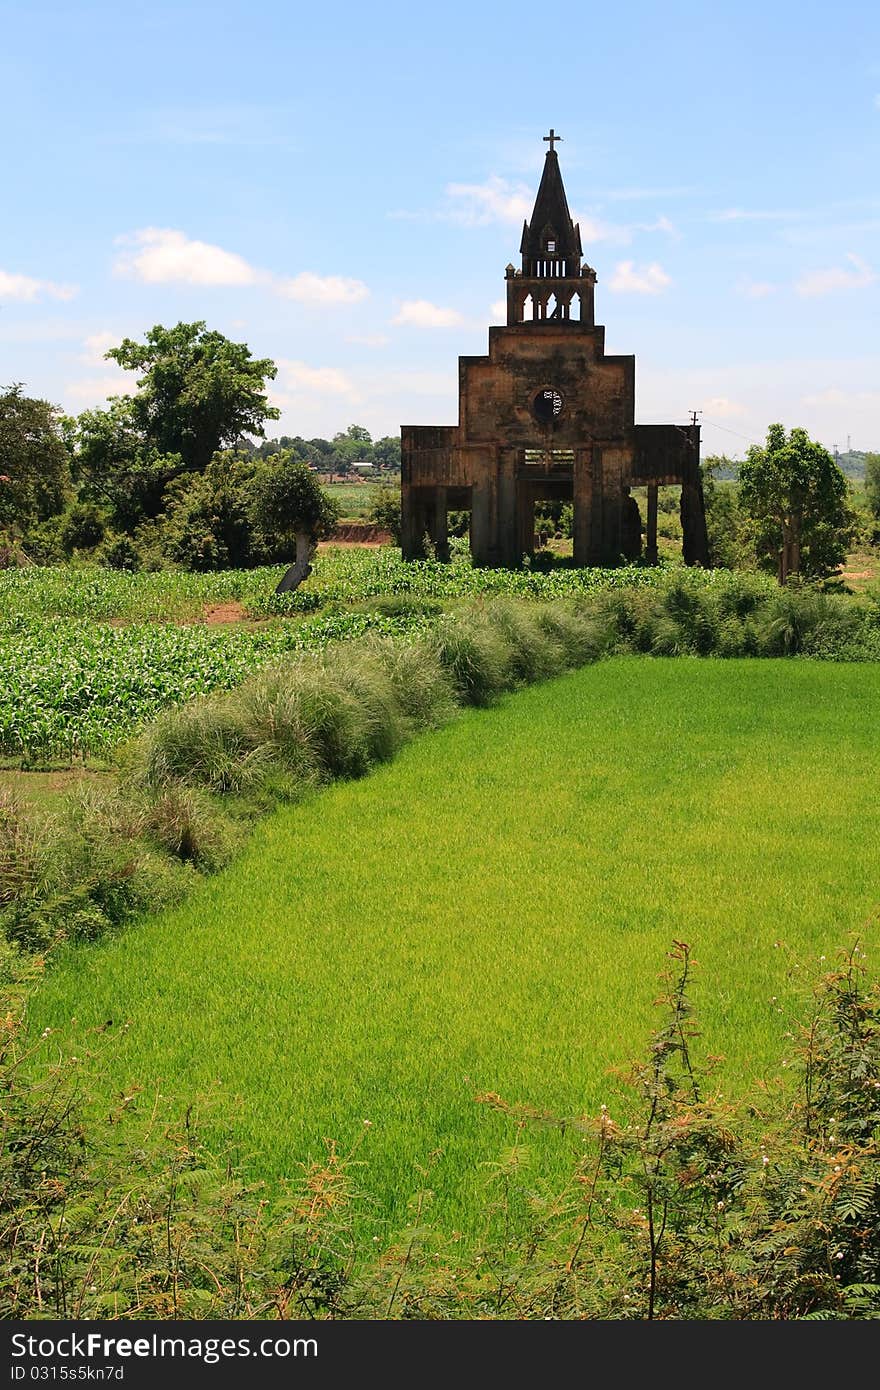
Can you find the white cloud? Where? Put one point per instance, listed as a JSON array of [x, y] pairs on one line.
[[631, 279], [96, 345], [662, 224], [419, 313], [720, 405], [755, 289], [593, 229], [299, 377], [877, 101], [107, 378], [496, 200], [24, 287], [309, 288], [837, 278], [498, 311], [161, 255], [94, 390]]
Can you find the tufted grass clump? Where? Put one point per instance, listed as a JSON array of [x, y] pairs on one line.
[[203, 743], [422, 686], [476, 656], [188, 825], [535, 652], [578, 636], [804, 621], [94, 872], [21, 853]]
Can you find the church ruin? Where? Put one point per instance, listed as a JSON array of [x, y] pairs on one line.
[[547, 414]]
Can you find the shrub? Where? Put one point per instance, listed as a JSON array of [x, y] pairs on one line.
[[535, 652], [190, 826], [21, 857], [476, 656], [423, 688], [121, 553], [202, 743], [384, 510]]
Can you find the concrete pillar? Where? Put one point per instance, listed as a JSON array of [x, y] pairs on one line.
[[480, 464], [612, 506], [695, 538], [507, 536], [583, 501], [651, 533], [481, 539]]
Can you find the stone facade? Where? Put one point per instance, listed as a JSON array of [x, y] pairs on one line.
[[547, 414]]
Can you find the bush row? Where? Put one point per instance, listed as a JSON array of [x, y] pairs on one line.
[[185, 788], [734, 617]]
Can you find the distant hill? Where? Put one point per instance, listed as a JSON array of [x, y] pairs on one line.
[[852, 463]]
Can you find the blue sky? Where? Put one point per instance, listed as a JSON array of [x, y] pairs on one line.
[[341, 186]]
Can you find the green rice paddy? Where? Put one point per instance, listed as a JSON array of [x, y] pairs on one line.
[[491, 912]]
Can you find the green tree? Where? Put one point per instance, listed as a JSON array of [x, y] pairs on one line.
[[34, 460], [872, 482], [289, 505], [208, 523], [727, 527], [198, 391], [353, 445], [115, 466], [386, 453], [385, 510], [796, 497]]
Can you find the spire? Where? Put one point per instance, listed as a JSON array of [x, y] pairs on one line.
[[551, 234]]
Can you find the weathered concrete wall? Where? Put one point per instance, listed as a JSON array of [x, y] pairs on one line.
[[590, 449]]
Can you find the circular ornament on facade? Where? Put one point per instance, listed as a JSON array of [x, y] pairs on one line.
[[547, 405]]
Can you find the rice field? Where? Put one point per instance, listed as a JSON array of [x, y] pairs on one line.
[[490, 913]]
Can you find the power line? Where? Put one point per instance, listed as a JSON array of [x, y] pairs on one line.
[[746, 437]]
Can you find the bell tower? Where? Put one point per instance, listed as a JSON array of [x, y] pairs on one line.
[[552, 284], [548, 415]]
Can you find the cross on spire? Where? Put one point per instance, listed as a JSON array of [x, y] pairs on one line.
[[553, 138]]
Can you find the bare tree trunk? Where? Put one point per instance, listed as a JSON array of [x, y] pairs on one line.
[[301, 567], [790, 553]]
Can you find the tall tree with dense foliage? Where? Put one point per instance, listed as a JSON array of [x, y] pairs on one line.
[[796, 497], [289, 504], [34, 461], [198, 392]]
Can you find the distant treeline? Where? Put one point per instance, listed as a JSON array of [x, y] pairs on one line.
[[852, 463]]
